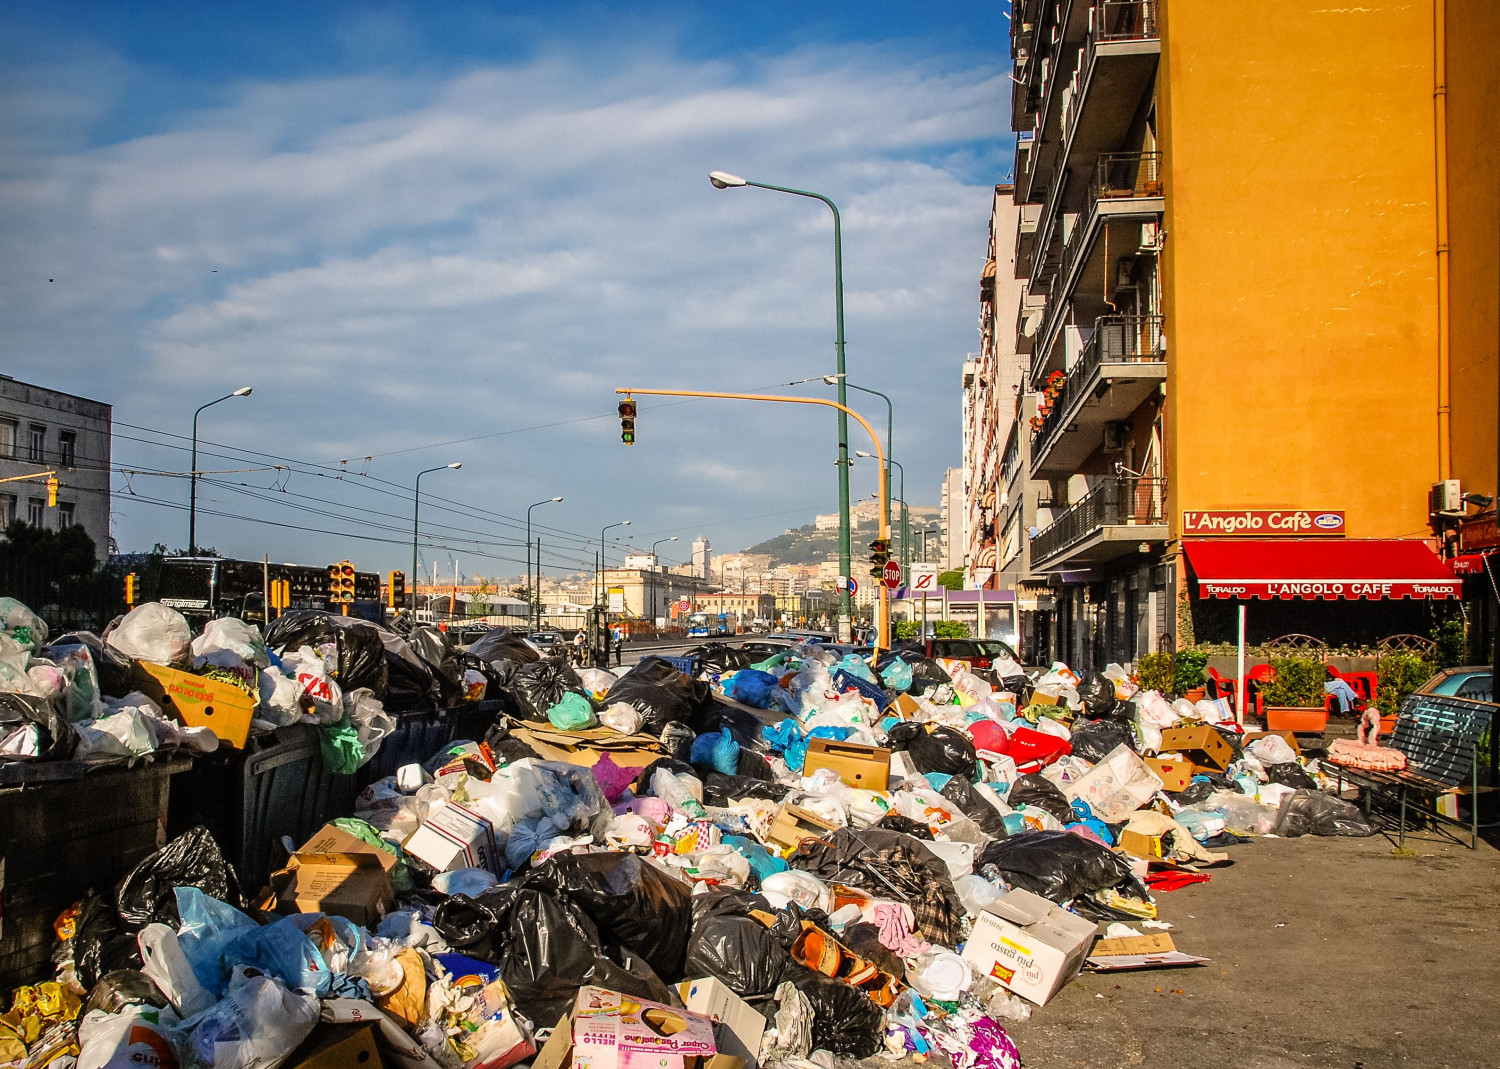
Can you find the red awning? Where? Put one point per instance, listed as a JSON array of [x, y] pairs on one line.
[[1326, 569], [1468, 564]]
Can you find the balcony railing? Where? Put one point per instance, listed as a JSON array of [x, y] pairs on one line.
[[1010, 462], [1114, 503], [1116, 340], [1123, 20]]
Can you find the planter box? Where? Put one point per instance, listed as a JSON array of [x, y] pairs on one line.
[[1290, 718]]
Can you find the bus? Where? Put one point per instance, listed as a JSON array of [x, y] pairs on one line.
[[704, 624], [205, 587]]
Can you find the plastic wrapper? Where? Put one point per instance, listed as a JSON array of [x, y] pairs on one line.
[[718, 751], [753, 688], [193, 859], [1309, 812], [1058, 865], [719, 789], [306, 667], [845, 1020], [538, 686], [154, 633], [165, 965], [1115, 787], [257, 1025], [925, 672], [897, 675], [1272, 750], [622, 718], [1244, 815], [32, 727]]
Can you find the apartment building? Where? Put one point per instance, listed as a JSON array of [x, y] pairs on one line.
[[952, 515], [1239, 244], [48, 430]]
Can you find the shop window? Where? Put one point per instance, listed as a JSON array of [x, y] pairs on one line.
[[67, 449], [64, 515], [36, 512], [37, 443]]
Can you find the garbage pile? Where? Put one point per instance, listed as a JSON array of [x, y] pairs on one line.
[[735, 868]]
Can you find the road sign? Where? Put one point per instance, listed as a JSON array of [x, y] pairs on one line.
[[891, 574], [848, 581], [923, 577], [684, 605]]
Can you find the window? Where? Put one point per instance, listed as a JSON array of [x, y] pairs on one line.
[[7, 509], [36, 512], [64, 515], [37, 449], [7, 437], [67, 448]]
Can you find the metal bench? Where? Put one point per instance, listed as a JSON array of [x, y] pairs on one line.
[[1439, 736]]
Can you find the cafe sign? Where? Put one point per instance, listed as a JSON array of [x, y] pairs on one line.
[[1262, 523]]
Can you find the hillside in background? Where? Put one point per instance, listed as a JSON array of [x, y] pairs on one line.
[[805, 545]]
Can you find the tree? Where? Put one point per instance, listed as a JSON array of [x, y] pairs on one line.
[[950, 629], [953, 580], [479, 600]]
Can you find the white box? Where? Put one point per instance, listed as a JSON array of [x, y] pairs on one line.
[[1029, 945], [455, 837], [741, 1026], [1116, 787]]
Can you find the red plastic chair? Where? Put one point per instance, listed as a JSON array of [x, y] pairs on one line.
[[1220, 686]]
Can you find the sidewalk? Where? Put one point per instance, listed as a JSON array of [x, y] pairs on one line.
[[1326, 952]]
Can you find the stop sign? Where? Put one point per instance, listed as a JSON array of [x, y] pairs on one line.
[[891, 574]]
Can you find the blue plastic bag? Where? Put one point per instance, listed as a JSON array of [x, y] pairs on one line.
[[753, 688], [788, 739], [763, 863], [897, 675], [856, 665], [284, 951], [718, 750], [208, 931]]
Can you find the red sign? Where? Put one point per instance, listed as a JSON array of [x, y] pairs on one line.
[[1262, 523], [1478, 533], [890, 575], [684, 605], [1468, 564], [1332, 589]]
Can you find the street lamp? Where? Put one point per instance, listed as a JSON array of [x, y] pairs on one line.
[[531, 590], [834, 380], [599, 583], [243, 391], [416, 511], [724, 180], [900, 496], [658, 542]]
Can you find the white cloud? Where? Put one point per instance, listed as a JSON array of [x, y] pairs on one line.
[[397, 262]]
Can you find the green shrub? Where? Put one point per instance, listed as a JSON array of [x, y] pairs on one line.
[[1154, 671], [1398, 675], [906, 630], [951, 629], [1452, 643], [1298, 683], [952, 580], [1187, 670]]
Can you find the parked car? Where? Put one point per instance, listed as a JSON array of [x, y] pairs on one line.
[[979, 654], [1473, 681], [544, 640]]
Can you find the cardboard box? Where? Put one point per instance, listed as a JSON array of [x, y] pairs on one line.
[[345, 885], [607, 1030], [1201, 745], [333, 840], [1029, 945], [740, 1027], [456, 837], [337, 1046], [1038, 698], [1138, 845], [793, 824], [1175, 773], [587, 746], [905, 706], [865, 767], [1115, 787], [223, 708], [1289, 736], [1138, 952]]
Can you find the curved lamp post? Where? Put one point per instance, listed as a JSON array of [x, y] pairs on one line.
[[243, 391], [416, 511], [531, 591]]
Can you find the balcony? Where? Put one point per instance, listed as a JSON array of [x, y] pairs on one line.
[[1109, 522], [1122, 362], [1125, 187], [1010, 464], [1026, 239], [1029, 314], [1115, 72]]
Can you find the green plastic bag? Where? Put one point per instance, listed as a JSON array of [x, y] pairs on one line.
[[342, 752], [572, 713], [400, 874], [770, 664]]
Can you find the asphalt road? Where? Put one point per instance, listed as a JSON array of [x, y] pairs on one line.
[[1325, 952]]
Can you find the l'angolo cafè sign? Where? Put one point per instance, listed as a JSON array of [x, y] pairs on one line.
[[1262, 523]]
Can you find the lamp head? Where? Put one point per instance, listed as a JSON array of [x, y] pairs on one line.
[[672, 539], [456, 465], [557, 499], [723, 179], [624, 523], [862, 453], [243, 391], [831, 380]]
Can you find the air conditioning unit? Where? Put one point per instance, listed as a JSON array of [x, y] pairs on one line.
[[1446, 498], [1114, 437]]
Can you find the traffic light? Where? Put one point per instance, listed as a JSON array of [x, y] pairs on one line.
[[627, 421], [341, 583], [52, 491], [880, 552], [132, 589], [395, 590]]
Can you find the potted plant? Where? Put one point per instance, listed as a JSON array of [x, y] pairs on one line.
[[1293, 698], [1398, 674], [1188, 680], [1153, 671]]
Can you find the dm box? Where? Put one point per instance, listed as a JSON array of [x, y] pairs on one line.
[[198, 702]]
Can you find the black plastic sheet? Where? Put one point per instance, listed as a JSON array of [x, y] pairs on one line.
[[193, 859], [925, 672], [362, 660], [437, 651], [120, 989], [663, 695], [718, 788], [1290, 774], [966, 796], [99, 944], [1038, 791], [719, 657], [502, 645], [1058, 865], [941, 749], [1307, 812], [540, 685], [1093, 740]]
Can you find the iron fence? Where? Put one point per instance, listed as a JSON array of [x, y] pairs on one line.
[[1118, 502]]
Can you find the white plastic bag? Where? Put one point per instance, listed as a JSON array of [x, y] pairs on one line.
[[624, 718], [18, 622], [596, 681], [257, 1024], [1273, 750], [119, 736], [369, 719], [153, 633], [135, 1037], [164, 962], [235, 636], [278, 698], [803, 888], [311, 674]]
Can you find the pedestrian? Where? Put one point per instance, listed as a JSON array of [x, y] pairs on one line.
[[578, 643], [619, 646]]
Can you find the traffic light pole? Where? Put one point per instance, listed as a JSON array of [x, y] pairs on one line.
[[882, 515]]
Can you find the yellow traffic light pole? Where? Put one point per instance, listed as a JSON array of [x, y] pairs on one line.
[[883, 623]]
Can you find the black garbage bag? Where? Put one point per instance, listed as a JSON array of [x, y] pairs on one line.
[[100, 944], [1058, 865], [1094, 739], [642, 784], [1036, 790], [1290, 774], [966, 796], [925, 672], [719, 657], [663, 695], [753, 765], [940, 749], [193, 859], [1233, 740], [905, 825], [864, 940], [361, 647], [506, 746], [738, 951], [1306, 812], [540, 685], [718, 789], [1097, 694], [1021, 687], [631, 901], [120, 989], [56, 739], [299, 627], [437, 652], [845, 1020], [1193, 793], [502, 645], [411, 686], [115, 670]]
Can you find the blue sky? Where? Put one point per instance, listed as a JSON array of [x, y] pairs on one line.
[[433, 233]]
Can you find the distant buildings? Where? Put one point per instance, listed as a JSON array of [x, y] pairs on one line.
[[42, 430]]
